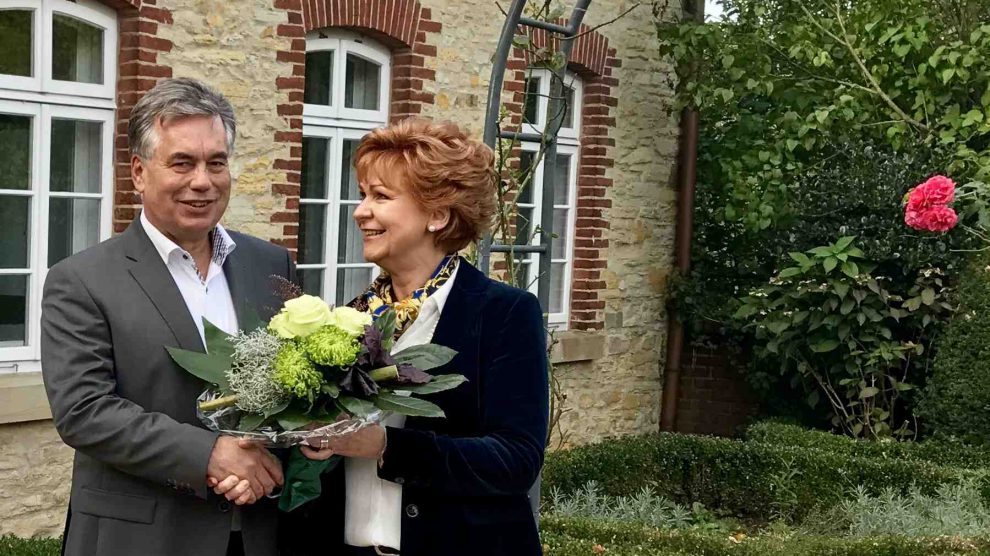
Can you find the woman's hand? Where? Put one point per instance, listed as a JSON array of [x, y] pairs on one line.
[[368, 443]]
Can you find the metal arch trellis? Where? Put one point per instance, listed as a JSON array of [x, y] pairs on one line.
[[548, 141]]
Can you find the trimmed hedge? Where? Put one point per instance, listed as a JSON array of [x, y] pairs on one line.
[[14, 546], [578, 537], [939, 452], [955, 401], [732, 477]]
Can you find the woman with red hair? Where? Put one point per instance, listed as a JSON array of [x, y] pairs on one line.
[[455, 485]]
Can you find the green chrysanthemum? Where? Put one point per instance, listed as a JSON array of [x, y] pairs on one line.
[[332, 347], [295, 373]]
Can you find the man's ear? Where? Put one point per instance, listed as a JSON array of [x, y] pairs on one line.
[[137, 173]]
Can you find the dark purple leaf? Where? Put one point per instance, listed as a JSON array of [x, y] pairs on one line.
[[358, 382], [411, 375], [374, 355]]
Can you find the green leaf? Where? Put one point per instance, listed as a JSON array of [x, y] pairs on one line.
[[824, 346], [928, 296], [407, 405], [292, 419], [438, 384], [386, 325], [356, 406], [741, 313], [209, 367], [813, 398], [843, 243], [840, 289], [868, 392], [217, 341], [426, 356], [302, 479], [790, 271], [250, 422], [847, 306], [850, 269], [330, 389], [830, 263]]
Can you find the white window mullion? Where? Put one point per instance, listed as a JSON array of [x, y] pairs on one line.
[[333, 218]]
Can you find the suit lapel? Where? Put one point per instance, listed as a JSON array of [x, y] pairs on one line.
[[462, 307], [240, 285], [153, 277]]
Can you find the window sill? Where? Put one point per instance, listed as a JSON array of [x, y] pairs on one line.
[[578, 345], [23, 398]]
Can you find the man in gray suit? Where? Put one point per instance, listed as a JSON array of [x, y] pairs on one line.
[[143, 459]]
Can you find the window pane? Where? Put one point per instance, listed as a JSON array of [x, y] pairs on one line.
[[75, 163], [568, 108], [312, 280], [349, 190], [524, 226], [361, 83], [314, 168], [319, 77], [350, 243], [558, 249], [15, 42], [73, 225], [15, 216], [13, 311], [527, 177], [312, 229], [77, 50], [531, 102], [521, 268], [561, 177], [352, 282], [557, 287], [15, 152]]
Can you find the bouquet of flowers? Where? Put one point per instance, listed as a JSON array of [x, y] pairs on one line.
[[313, 372]]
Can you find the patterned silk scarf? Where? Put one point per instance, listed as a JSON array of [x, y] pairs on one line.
[[380, 297]]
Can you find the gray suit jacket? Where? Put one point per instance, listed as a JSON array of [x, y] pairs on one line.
[[139, 476]]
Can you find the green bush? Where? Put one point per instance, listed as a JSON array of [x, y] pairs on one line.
[[574, 537], [14, 546], [940, 452], [746, 479], [955, 402]]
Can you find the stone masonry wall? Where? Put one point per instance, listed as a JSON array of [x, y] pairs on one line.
[[234, 45]]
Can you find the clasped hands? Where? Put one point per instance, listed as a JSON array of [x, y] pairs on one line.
[[251, 472]]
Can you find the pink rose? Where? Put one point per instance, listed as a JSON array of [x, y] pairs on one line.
[[936, 191], [937, 219]]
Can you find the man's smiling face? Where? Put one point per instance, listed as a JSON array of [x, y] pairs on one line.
[[185, 185]]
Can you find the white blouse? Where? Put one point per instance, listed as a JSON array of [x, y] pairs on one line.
[[373, 507]]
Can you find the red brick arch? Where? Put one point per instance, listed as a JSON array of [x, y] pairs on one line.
[[401, 25]]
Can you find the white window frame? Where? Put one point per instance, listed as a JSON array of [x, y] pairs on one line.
[[339, 124], [568, 143], [42, 99], [343, 43]]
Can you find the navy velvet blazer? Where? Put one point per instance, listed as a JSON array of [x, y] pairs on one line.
[[465, 477]]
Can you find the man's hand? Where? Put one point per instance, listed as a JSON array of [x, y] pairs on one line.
[[246, 463]]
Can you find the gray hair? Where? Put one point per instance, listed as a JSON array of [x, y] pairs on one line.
[[171, 99]]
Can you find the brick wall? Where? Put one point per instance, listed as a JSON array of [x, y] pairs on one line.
[[713, 397]]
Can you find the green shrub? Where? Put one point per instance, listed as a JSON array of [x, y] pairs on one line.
[[574, 537], [956, 400], [746, 479], [941, 452], [14, 546]]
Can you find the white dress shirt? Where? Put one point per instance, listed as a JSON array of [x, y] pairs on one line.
[[209, 298], [373, 507]]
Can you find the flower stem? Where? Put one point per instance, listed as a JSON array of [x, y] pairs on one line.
[[225, 401], [385, 373]]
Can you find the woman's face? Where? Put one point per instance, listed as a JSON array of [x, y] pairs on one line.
[[394, 225]]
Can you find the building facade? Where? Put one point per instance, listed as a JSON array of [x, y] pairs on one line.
[[307, 79]]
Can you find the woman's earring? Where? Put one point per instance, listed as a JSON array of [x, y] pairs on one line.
[[431, 228]]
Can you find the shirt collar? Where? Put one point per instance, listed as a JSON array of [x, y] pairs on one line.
[[440, 296], [223, 244]]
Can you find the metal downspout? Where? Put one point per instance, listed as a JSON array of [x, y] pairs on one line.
[[687, 177]]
